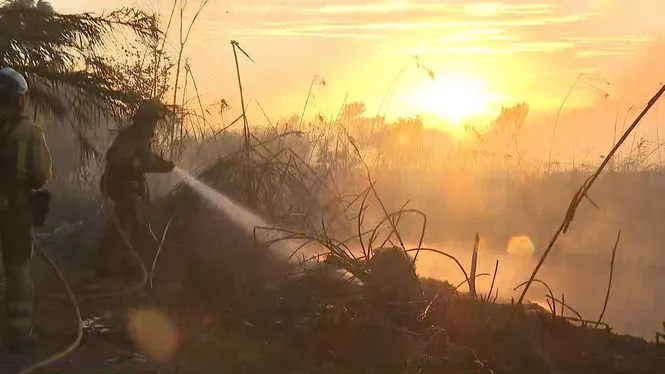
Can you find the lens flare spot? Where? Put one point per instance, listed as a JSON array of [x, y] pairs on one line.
[[520, 246], [153, 334]]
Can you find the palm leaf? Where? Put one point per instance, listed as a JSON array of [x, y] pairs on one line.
[[61, 56], [60, 53]]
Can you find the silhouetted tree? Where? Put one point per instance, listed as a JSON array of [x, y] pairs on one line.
[[60, 54]]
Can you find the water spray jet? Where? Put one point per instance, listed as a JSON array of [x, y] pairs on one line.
[[247, 220]]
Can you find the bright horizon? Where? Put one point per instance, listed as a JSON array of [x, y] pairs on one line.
[[483, 55]]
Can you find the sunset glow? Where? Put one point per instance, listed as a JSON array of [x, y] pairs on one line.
[[455, 99], [483, 55]]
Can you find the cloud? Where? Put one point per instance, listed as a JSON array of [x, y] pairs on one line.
[[306, 33], [608, 46], [400, 14], [314, 26], [521, 47], [624, 39], [402, 20], [601, 53], [473, 9], [540, 46], [445, 27], [525, 47], [496, 9], [590, 53], [378, 7], [481, 9]]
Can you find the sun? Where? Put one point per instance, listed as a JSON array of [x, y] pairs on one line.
[[455, 99]]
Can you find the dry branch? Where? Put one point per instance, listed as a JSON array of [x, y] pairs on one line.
[[582, 193], [609, 283]]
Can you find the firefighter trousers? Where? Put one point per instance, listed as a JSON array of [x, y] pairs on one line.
[[17, 252], [115, 257]]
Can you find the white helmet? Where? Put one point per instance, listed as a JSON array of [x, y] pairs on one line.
[[18, 78]]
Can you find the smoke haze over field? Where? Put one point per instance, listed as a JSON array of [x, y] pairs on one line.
[[607, 53]]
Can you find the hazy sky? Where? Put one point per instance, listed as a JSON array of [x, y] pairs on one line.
[[501, 52]]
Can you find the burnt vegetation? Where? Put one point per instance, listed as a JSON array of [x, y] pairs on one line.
[[350, 298]]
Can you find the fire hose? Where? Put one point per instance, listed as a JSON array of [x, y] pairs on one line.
[[79, 320], [73, 298]]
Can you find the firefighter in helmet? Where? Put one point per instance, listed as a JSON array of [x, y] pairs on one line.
[[127, 161], [25, 167]]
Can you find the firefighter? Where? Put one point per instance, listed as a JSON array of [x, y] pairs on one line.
[[25, 166], [127, 161]]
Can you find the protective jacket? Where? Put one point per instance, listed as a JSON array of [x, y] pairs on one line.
[[25, 165], [25, 160], [127, 162]]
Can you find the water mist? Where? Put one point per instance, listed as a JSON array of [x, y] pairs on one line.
[[245, 219]]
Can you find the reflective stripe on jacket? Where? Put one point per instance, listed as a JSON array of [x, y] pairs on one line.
[[25, 159]]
